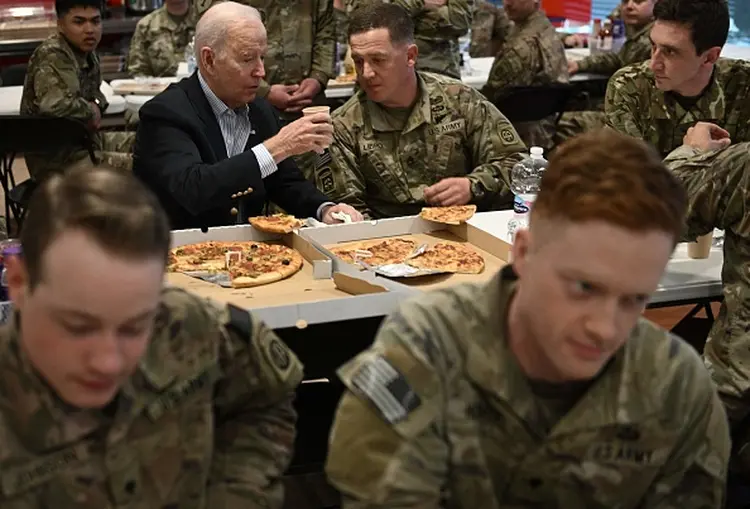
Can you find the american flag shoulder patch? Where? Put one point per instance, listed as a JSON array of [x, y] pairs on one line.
[[322, 160], [386, 387]]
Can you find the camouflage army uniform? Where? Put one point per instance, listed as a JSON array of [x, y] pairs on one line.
[[637, 48], [635, 106], [718, 185], [61, 82], [159, 42], [206, 421], [342, 26], [533, 55], [382, 168], [489, 29], [436, 32], [439, 414], [301, 40]]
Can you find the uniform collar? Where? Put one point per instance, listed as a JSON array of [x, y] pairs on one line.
[[492, 366], [640, 31], [537, 20], [710, 105], [420, 113]]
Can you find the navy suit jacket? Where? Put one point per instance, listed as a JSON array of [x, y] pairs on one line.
[[180, 154]]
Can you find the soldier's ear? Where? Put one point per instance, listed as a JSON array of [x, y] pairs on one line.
[[711, 56], [411, 55], [17, 279]]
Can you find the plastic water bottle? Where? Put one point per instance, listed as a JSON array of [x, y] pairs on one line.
[[190, 56], [525, 179]]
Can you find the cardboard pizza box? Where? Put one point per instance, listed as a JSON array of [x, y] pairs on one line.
[[312, 295], [495, 251]]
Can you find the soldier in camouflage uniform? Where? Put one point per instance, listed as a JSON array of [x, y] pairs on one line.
[[159, 42], [63, 80], [490, 27], [437, 26], [125, 394], [544, 387], [659, 100], [717, 180], [638, 17], [532, 55], [409, 138], [342, 23]]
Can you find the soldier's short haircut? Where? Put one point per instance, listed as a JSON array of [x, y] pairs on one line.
[[112, 207], [708, 20], [376, 14], [607, 176], [62, 7]]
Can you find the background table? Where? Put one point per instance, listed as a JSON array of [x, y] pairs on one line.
[[10, 100], [685, 281]]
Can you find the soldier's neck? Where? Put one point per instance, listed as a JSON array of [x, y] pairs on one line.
[[696, 86], [408, 97]]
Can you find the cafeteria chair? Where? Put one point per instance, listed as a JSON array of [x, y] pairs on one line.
[[21, 134], [532, 104], [13, 75]]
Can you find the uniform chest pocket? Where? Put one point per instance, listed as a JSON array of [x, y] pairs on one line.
[[616, 472]]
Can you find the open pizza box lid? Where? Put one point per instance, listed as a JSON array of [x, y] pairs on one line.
[[322, 296], [495, 251]]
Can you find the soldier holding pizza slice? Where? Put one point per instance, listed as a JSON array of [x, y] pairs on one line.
[[409, 138]]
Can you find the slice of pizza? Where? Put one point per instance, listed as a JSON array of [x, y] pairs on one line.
[[449, 257], [264, 263], [384, 252], [277, 223], [449, 215]]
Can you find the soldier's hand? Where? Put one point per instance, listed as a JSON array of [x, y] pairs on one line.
[[303, 97], [575, 41], [572, 67], [281, 95], [449, 192], [313, 133], [434, 4], [327, 215], [707, 136], [96, 120]]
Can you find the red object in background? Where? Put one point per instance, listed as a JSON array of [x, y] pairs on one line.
[[574, 10]]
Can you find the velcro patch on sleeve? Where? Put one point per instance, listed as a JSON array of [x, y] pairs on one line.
[[386, 388]]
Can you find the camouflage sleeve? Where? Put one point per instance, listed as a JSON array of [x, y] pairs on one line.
[[451, 20], [254, 416], [324, 44], [98, 93], [621, 107], [694, 476], [718, 184], [342, 24], [263, 88], [338, 175], [386, 448], [138, 63], [602, 63], [514, 66], [493, 142], [56, 84]]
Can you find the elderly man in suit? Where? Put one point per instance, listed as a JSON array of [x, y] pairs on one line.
[[207, 139]]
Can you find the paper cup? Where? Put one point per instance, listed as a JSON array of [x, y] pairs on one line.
[[702, 247], [312, 110]]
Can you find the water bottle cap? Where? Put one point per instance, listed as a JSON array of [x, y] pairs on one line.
[[537, 151]]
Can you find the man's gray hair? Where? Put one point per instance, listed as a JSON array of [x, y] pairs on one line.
[[213, 27]]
